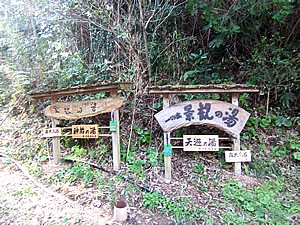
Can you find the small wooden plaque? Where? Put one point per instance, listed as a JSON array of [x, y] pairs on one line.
[[52, 132], [208, 143], [238, 156], [85, 131]]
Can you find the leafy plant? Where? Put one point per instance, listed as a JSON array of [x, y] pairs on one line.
[[144, 136], [136, 167], [153, 156], [265, 204], [198, 168], [296, 155], [79, 151], [295, 145], [279, 150], [181, 210], [79, 171]]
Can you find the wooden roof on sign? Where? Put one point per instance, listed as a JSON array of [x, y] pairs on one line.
[[77, 90], [202, 89]]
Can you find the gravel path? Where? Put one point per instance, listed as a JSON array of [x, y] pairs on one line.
[[23, 202]]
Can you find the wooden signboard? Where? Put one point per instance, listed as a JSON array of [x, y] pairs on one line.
[[75, 110], [52, 132], [200, 143], [238, 156], [85, 131], [222, 115]]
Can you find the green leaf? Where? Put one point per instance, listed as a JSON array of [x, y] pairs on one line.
[[265, 123], [250, 208], [295, 145], [43, 158], [265, 199], [296, 155], [190, 74], [288, 123], [254, 121], [280, 121]]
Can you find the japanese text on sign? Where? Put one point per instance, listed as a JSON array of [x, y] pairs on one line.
[[200, 142], [75, 110], [238, 156], [52, 132], [85, 131], [222, 115], [229, 117]]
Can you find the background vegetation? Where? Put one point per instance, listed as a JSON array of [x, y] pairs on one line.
[[46, 45]]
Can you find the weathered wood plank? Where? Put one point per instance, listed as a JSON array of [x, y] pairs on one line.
[[75, 110], [201, 89], [77, 90], [222, 115]]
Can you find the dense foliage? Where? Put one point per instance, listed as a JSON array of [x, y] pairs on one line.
[[50, 44]]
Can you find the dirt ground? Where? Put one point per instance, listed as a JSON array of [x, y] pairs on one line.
[[23, 202]]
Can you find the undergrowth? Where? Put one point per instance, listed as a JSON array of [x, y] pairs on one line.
[[273, 140]]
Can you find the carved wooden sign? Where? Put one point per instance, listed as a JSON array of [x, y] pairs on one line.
[[200, 143], [222, 115], [85, 131], [238, 156], [75, 110]]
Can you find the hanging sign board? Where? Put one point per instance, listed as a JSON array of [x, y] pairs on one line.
[[238, 156], [200, 143], [85, 131], [76, 110], [52, 132], [222, 115]]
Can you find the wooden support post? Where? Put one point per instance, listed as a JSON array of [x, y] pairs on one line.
[[116, 136], [167, 142], [236, 141], [55, 140]]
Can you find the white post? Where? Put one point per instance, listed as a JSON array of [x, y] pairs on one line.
[[55, 140], [167, 142], [236, 141], [116, 136]]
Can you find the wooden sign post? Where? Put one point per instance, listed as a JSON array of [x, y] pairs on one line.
[[55, 140], [115, 134], [222, 115], [167, 145], [74, 110]]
